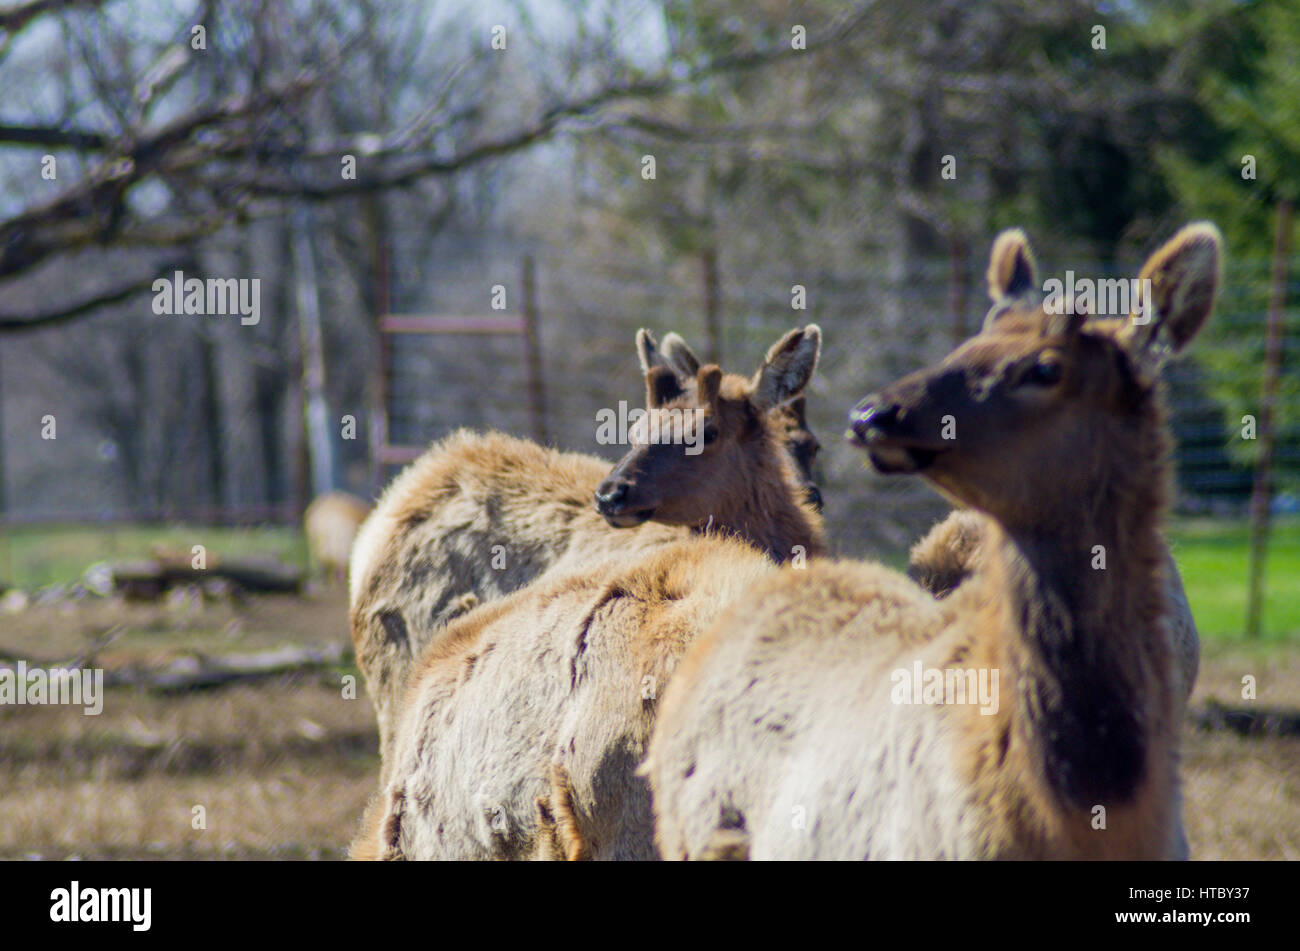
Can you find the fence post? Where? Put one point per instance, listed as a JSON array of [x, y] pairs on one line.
[[533, 352], [315, 411], [1261, 490], [5, 560], [380, 300]]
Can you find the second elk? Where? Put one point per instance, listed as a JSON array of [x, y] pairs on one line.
[[523, 724]]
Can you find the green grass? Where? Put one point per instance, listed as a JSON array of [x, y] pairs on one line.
[[1213, 556], [32, 556]]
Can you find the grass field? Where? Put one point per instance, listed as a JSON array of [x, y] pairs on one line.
[[1213, 557], [32, 556]]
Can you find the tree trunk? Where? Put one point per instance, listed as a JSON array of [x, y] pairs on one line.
[[1261, 491], [315, 410]]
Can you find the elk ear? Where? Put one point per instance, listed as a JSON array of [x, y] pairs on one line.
[[661, 386], [709, 383], [1011, 266], [1176, 292], [680, 356], [648, 352], [799, 407], [788, 367]]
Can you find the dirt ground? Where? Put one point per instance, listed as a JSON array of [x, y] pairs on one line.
[[282, 768]]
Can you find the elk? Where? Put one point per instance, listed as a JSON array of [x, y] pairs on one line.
[[523, 723], [796, 726], [481, 515], [330, 524]]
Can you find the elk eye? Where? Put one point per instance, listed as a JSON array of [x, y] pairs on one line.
[[710, 435], [1043, 373]]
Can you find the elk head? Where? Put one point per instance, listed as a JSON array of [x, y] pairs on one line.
[[790, 419], [1030, 418], [705, 441]]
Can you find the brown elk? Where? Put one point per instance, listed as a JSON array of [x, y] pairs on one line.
[[523, 724], [808, 723], [330, 524], [481, 515]]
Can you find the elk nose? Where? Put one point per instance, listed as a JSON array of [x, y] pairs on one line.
[[610, 496], [871, 413]]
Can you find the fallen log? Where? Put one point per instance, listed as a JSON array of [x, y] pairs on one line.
[[147, 578], [1246, 721], [193, 670]]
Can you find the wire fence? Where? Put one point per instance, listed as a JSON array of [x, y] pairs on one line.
[[874, 330], [876, 327]]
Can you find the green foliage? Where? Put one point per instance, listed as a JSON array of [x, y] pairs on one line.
[[1249, 91], [1212, 556], [33, 556]]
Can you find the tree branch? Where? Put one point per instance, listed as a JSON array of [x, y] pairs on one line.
[[63, 315], [13, 19], [53, 137]]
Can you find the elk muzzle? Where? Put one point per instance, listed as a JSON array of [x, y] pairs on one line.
[[614, 500], [888, 432]]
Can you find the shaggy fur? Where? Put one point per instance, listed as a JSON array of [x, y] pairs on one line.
[[523, 725], [330, 524], [481, 515], [950, 552], [784, 734]]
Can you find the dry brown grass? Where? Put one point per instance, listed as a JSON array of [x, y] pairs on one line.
[[1243, 793], [1242, 796], [282, 769]]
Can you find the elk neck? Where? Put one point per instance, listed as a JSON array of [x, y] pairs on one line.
[[1087, 645], [765, 505]]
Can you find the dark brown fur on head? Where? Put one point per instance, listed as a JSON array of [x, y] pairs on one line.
[[732, 472], [789, 419]]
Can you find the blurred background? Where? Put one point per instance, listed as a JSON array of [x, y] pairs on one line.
[[458, 214]]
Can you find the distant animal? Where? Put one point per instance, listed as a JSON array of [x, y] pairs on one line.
[[521, 728], [842, 712], [331, 523], [481, 515]]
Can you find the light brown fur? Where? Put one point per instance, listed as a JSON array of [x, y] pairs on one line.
[[542, 701], [480, 515], [950, 553], [522, 728], [791, 705]]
